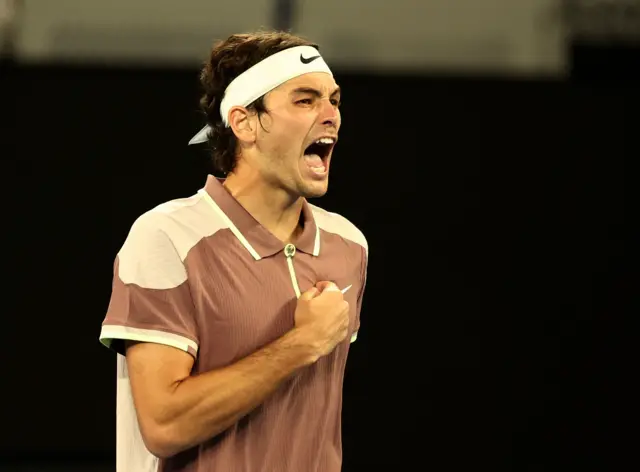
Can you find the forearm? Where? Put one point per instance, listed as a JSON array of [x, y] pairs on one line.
[[200, 407]]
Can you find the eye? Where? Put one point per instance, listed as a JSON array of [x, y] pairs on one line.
[[335, 102], [304, 101]]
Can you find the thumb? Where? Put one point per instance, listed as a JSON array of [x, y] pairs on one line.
[[326, 286], [310, 294]]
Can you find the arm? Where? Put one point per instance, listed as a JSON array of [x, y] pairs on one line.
[[177, 411], [151, 313]]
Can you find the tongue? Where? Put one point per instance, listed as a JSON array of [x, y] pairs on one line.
[[314, 161]]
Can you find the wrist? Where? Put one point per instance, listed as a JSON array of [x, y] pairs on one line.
[[301, 340]]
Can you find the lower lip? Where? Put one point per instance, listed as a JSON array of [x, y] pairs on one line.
[[318, 172]]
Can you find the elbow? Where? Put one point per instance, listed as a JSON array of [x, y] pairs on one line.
[[161, 441], [161, 450]]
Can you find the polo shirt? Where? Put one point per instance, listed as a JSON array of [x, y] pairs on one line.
[[202, 275]]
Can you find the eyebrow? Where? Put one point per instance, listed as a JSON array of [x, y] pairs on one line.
[[315, 92]]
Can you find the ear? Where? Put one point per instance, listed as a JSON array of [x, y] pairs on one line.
[[242, 124]]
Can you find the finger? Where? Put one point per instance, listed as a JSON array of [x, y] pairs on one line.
[[310, 294], [326, 286]]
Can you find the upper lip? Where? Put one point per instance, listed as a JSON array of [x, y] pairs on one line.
[[326, 152], [330, 136]]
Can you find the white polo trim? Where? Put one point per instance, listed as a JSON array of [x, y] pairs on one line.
[[316, 246], [109, 333], [230, 224]]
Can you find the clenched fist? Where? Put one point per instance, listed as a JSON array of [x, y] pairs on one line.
[[322, 314]]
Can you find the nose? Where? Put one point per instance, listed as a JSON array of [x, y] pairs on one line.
[[330, 114]]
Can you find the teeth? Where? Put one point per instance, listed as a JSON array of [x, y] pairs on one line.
[[325, 141]]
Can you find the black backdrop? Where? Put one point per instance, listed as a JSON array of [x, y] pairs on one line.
[[492, 326]]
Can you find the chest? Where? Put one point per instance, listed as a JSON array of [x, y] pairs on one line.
[[243, 304]]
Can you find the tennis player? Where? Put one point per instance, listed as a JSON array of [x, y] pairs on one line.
[[233, 310]]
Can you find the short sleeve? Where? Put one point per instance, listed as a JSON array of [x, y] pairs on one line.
[[365, 266], [150, 297], [363, 277]]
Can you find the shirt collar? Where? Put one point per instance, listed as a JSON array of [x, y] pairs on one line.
[[258, 240]]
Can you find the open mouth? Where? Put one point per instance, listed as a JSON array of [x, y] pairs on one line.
[[321, 148], [317, 153]]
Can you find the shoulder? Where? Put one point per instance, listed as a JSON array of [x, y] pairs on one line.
[[177, 224], [337, 224]]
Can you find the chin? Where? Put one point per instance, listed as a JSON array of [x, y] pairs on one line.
[[314, 189]]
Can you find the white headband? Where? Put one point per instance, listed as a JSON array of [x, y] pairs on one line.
[[264, 77]]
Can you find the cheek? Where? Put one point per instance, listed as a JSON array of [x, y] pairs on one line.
[[273, 141], [281, 149], [286, 134], [283, 145], [290, 137]]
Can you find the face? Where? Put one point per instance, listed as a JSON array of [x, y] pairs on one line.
[[295, 140]]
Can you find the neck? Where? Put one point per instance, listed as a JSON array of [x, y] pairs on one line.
[[274, 208]]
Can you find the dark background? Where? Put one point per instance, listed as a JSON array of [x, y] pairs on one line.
[[493, 335]]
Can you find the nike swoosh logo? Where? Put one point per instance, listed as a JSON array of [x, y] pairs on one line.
[[308, 60]]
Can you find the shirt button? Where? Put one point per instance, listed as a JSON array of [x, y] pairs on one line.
[[289, 250]]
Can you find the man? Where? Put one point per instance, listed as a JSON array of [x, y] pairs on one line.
[[235, 308]]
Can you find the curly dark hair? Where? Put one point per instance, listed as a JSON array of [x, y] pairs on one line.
[[228, 59]]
